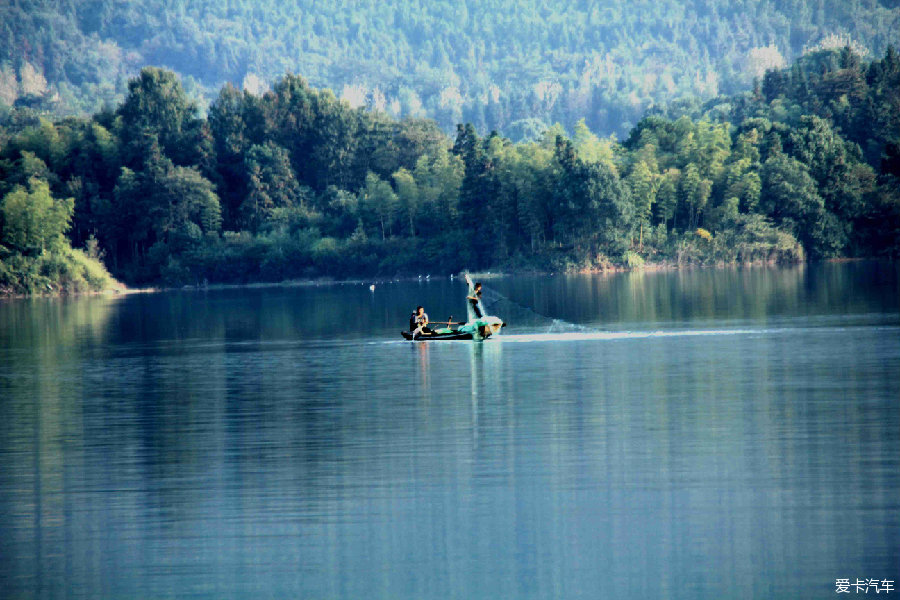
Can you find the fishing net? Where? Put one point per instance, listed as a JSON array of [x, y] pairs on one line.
[[526, 319]]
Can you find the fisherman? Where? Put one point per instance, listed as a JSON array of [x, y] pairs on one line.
[[475, 298], [418, 321]]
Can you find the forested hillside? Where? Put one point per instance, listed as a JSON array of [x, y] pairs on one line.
[[511, 65], [297, 183]]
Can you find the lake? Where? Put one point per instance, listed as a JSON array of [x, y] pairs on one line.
[[696, 434]]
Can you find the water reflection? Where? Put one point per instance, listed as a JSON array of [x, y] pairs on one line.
[[707, 295], [233, 444]]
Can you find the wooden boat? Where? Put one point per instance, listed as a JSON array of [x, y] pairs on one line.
[[479, 326], [477, 329], [452, 334]]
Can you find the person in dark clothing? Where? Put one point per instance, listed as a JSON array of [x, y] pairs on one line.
[[475, 298], [418, 321]]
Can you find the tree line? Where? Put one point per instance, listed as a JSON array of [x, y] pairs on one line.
[[295, 183]]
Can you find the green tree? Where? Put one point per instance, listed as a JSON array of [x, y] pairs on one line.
[[162, 203], [478, 188], [22, 170], [378, 203], [439, 179], [46, 141], [33, 220], [156, 105], [844, 183], [89, 175], [695, 191], [416, 138], [236, 124], [789, 196], [528, 176], [319, 132], [745, 186], [667, 195], [271, 185], [408, 196], [591, 148], [643, 185], [594, 205]]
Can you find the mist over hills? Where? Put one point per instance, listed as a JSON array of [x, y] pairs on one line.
[[511, 65]]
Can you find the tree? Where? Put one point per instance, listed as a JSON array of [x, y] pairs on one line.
[[439, 179], [235, 124], [843, 181], [45, 141], [90, 173], [745, 186], [695, 192], [156, 105], [667, 196], [378, 203], [593, 202], [789, 196], [24, 169], [643, 185], [33, 220], [877, 127], [408, 196], [271, 185], [478, 187], [318, 130], [591, 148], [775, 83], [376, 147], [416, 138], [529, 210], [156, 203], [713, 149]]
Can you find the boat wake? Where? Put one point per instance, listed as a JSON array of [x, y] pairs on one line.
[[750, 332], [626, 335], [676, 333]]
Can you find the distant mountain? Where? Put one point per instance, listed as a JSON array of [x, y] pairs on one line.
[[511, 65]]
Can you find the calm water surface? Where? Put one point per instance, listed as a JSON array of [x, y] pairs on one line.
[[705, 434]]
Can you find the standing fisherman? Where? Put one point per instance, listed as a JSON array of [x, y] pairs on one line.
[[474, 298]]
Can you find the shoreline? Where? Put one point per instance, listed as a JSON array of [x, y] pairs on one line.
[[123, 290]]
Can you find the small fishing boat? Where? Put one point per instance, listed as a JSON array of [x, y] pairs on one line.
[[478, 329], [438, 334], [479, 326]]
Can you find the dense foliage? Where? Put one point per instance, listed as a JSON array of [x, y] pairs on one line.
[[34, 253], [295, 183], [510, 65]]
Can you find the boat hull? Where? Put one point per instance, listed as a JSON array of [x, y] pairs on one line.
[[434, 337]]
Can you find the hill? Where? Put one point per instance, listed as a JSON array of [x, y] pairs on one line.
[[510, 65]]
